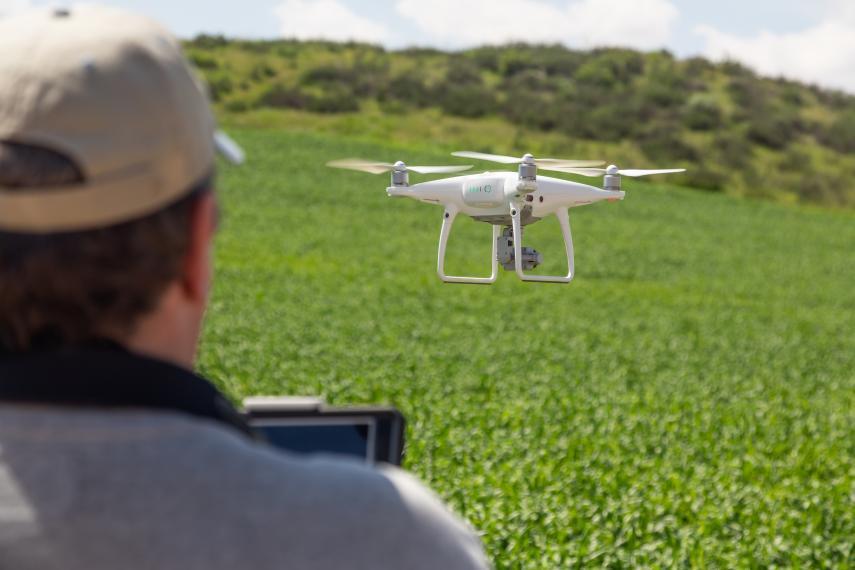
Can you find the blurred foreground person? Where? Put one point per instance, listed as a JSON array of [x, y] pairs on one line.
[[113, 454]]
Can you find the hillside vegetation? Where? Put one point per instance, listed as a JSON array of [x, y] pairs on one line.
[[736, 132]]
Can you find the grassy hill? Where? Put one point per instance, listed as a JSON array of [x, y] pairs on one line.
[[737, 132], [687, 401]]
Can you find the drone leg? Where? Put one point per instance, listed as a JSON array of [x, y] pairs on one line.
[[564, 222], [447, 222]]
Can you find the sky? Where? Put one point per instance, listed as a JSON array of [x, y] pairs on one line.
[[809, 41]]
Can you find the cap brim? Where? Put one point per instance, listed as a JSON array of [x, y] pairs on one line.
[[228, 148]]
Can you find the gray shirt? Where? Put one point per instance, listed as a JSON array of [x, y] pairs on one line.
[[90, 489]]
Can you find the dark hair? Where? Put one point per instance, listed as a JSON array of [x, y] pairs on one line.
[[72, 288]]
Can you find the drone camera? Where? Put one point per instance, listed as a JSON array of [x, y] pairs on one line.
[[531, 258]]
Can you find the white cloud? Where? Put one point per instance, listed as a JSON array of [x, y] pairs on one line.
[[644, 24], [9, 7], [326, 19], [823, 53]]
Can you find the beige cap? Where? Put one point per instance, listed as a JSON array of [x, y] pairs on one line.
[[112, 91]]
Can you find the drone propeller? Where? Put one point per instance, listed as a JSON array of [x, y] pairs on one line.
[[381, 167], [544, 163], [614, 170]]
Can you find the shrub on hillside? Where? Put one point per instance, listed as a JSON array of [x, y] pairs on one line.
[[704, 177], [840, 135], [208, 41], [733, 150], [604, 123], [702, 112], [238, 105], [664, 85], [612, 69], [324, 75], [468, 100], [333, 101], [772, 129], [284, 96], [406, 88], [530, 108], [660, 141], [219, 86], [463, 71], [262, 72], [203, 61], [516, 59]]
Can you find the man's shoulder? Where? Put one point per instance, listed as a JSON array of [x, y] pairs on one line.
[[330, 499]]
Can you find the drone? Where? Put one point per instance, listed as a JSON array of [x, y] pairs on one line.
[[507, 200]]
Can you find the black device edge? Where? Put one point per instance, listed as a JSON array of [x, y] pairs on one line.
[[388, 418]]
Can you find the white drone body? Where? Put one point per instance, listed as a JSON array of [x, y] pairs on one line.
[[509, 200]]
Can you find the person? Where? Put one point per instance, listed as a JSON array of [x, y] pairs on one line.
[[113, 454]]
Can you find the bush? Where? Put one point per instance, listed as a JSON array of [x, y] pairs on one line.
[[748, 95], [463, 71], [262, 72], [208, 41], [470, 100], [283, 96], [705, 178], [334, 101], [530, 108], [219, 86], [238, 106], [660, 141], [325, 75], [516, 59], [362, 81], [561, 62], [702, 113], [772, 131], [603, 123], [203, 61], [486, 58], [840, 136], [733, 150], [407, 88], [611, 69]]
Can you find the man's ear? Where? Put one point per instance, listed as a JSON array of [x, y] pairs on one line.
[[198, 262]]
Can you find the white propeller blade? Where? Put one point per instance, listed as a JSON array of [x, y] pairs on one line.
[[381, 167], [439, 169], [546, 163], [362, 165], [634, 173], [491, 157], [560, 162], [593, 172]]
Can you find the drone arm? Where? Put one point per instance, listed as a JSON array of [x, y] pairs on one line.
[[564, 222], [447, 221]]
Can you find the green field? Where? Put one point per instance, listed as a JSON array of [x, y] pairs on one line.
[[689, 400]]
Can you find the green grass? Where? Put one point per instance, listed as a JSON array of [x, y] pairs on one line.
[[689, 400]]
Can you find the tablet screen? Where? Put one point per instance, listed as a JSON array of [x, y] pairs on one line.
[[345, 436]]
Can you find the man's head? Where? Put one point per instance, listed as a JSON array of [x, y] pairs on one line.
[[106, 168]]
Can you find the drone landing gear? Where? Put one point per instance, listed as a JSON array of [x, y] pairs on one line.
[[447, 222], [508, 251], [527, 258]]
